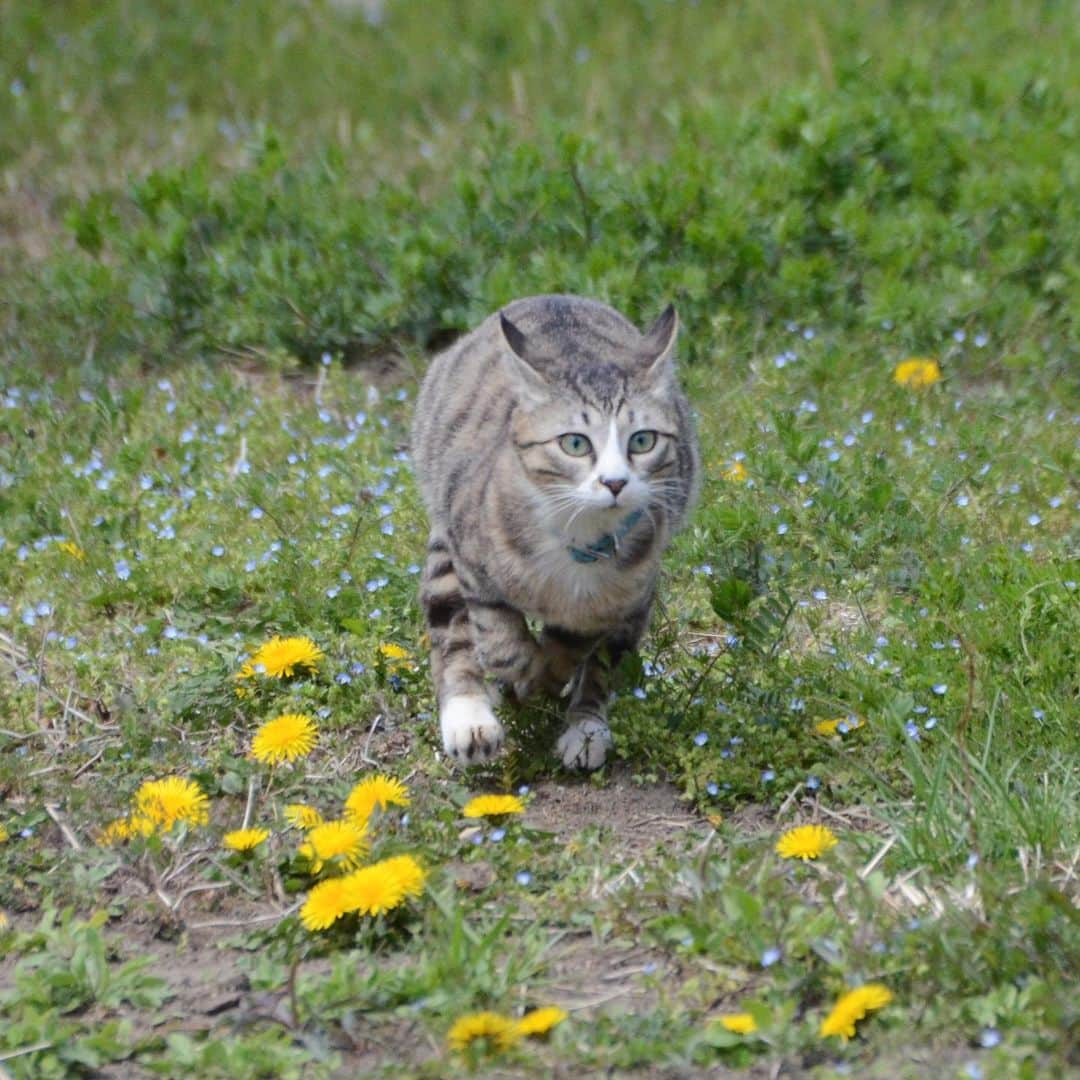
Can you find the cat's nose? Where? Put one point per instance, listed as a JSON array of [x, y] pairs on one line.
[[614, 486]]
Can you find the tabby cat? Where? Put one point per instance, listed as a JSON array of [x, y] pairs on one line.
[[556, 456]]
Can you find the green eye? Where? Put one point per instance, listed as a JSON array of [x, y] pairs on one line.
[[641, 442], [575, 445]]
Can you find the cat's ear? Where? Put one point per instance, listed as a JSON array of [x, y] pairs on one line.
[[517, 351], [658, 348]]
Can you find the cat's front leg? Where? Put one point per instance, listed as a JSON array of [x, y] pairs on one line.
[[587, 739]]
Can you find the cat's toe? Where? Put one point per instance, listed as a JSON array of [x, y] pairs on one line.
[[584, 744], [471, 731]]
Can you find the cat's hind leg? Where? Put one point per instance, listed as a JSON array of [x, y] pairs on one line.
[[506, 649], [471, 732]]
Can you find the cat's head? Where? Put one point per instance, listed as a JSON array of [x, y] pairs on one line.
[[598, 429]]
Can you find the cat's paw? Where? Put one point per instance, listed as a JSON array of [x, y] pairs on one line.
[[471, 731], [585, 743]]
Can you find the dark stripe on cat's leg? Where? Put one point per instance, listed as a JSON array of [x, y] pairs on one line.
[[569, 638]]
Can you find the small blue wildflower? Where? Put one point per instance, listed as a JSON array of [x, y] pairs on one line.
[[357, 668], [962, 500], [770, 956], [782, 528], [940, 689], [251, 566], [342, 510], [332, 591], [989, 1037], [217, 551], [972, 1069], [1034, 519], [931, 723], [639, 693], [820, 594], [523, 790], [712, 788], [257, 512], [1039, 714], [497, 835], [123, 570], [323, 713], [387, 528], [912, 730], [768, 776], [342, 678], [701, 738], [412, 568], [812, 783], [523, 877]]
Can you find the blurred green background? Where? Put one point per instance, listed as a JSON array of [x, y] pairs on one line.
[[284, 179]]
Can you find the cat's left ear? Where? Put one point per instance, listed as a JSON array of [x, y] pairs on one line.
[[659, 346]]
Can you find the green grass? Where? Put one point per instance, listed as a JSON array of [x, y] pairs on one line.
[[187, 397]]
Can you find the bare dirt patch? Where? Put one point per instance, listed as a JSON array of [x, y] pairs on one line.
[[637, 816]]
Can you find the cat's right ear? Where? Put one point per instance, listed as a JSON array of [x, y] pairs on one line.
[[517, 352]]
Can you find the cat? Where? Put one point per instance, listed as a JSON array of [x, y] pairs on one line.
[[556, 456]]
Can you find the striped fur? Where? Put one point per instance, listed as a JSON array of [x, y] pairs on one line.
[[510, 501]]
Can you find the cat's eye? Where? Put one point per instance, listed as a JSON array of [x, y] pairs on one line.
[[641, 442], [574, 444]]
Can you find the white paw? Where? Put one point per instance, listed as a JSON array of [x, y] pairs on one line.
[[471, 731], [584, 744]]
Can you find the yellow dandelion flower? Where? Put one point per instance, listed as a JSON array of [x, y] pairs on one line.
[[805, 842], [371, 890], [407, 872], [4, 834], [168, 801], [917, 372], [69, 547], [246, 672], [832, 727], [397, 658], [540, 1021], [244, 839], [326, 903], [739, 1023], [375, 791], [281, 658], [852, 1007], [300, 816], [116, 832], [493, 806], [343, 843], [285, 738], [737, 474], [124, 829], [499, 1032]]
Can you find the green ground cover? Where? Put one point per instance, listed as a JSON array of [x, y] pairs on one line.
[[217, 297]]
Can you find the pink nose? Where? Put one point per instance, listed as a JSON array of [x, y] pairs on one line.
[[614, 486]]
